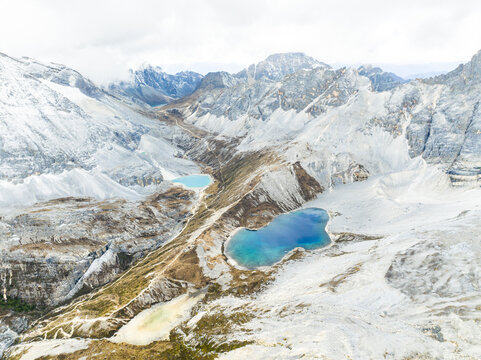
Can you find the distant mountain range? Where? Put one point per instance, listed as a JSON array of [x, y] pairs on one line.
[[151, 85]]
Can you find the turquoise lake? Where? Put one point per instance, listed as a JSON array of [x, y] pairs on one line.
[[304, 228], [194, 181]]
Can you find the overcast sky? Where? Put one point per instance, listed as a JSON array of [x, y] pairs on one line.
[[102, 38]]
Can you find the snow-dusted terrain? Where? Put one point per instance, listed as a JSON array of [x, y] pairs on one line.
[[61, 136], [396, 164], [412, 290], [333, 119], [151, 85]]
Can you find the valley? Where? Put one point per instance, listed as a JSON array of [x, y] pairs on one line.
[[103, 242]]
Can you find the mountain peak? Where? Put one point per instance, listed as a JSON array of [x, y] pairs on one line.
[[218, 79], [276, 66], [151, 85], [477, 57], [287, 56], [380, 79], [369, 68], [473, 68], [464, 75]]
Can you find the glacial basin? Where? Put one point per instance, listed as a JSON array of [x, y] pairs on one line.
[[156, 322], [194, 181], [304, 228]]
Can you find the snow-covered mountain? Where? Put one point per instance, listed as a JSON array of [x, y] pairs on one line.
[[276, 66], [82, 186], [60, 135], [341, 116], [380, 79], [150, 85], [400, 279]]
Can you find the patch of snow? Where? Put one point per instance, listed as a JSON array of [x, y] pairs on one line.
[[42, 348], [413, 291], [76, 182]]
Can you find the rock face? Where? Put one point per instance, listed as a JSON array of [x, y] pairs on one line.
[[58, 249], [218, 80], [276, 66], [60, 135], [380, 79], [150, 85], [312, 91], [449, 129], [10, 326], [439, 117]]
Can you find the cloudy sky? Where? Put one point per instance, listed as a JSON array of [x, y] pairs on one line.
[[103, 38]]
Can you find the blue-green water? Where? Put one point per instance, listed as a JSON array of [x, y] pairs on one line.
[[194, 181], [266, 246]]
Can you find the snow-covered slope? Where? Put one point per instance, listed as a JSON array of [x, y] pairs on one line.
[[331, 120], [401, 278], [380, 79], [60, 135]]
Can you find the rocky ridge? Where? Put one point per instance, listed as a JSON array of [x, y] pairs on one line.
[[152, 86]]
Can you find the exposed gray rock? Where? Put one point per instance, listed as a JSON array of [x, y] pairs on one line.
[[276, 66], [11, 325], [150, 85], [381, 80], [7, 338], [218, 80], [319, 88], [448, 130], [66, 247]]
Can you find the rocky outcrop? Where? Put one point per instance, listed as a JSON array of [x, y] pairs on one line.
[[53, 121], [159, 290], [380, 80], [11, 325], [278, 190], [439, 117], [218, 80], [446, 123], [354, 173], [276, 66], [67, 247], [152, 86]]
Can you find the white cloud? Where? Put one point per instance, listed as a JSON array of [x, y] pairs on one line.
[[103, 38]]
